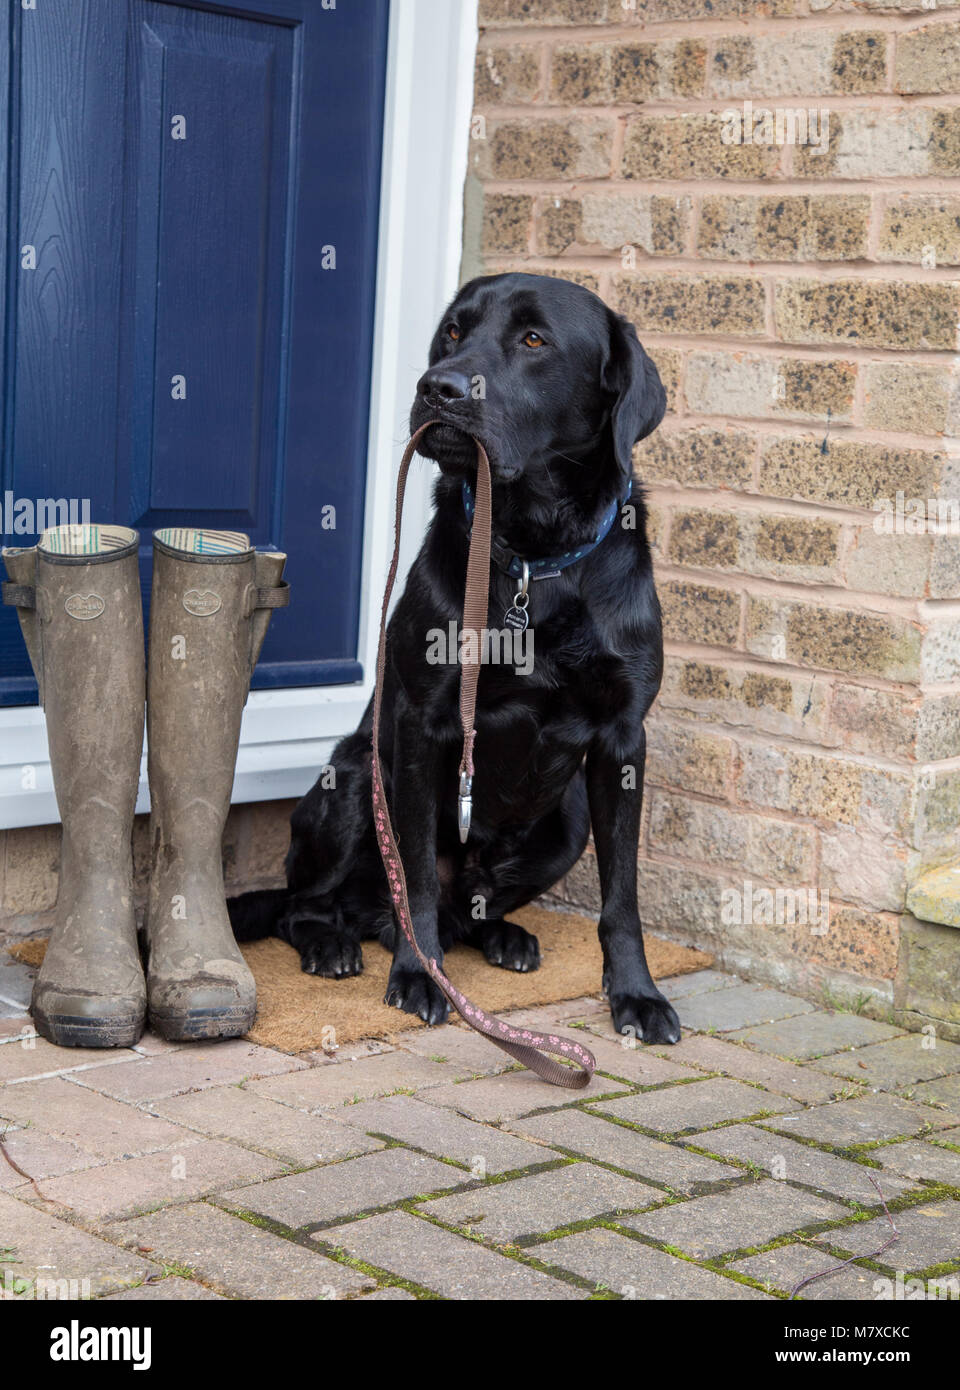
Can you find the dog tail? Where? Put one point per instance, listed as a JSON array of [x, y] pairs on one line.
[[255, 915]]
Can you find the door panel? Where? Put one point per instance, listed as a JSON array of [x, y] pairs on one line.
[[193, 347], [208, 293]]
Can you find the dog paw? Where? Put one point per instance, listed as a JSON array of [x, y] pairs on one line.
[[415, 993], [652, 1020], [507, 945], [333, 954]]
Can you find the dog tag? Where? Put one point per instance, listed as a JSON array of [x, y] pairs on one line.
[[516, 618]]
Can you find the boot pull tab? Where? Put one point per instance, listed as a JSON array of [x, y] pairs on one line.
[[20, 592], [20, 595], [268, 591]]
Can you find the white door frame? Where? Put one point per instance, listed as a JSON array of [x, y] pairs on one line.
[[287, 735]]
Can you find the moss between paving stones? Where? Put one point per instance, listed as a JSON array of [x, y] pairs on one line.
[[510, 1250], [712, 1264]]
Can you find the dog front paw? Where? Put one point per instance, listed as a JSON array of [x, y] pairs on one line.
[[415, 993], [334, 954], [507, 945], [651, 1019]]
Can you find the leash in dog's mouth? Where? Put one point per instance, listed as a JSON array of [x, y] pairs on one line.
[[534, 1049]]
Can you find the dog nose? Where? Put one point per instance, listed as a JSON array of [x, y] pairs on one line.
[[444, 384]]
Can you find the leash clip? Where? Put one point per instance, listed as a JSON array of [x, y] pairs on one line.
[[465, 806]]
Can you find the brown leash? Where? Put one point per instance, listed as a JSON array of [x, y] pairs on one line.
[[525, 1044]]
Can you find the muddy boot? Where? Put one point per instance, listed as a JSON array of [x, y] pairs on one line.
[[210, 606], [78, 599]]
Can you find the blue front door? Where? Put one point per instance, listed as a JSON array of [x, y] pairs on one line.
[[189, 258]]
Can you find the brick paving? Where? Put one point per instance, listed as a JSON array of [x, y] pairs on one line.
[[729, 1167]]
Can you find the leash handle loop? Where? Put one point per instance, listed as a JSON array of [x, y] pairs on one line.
[[535, 1049]]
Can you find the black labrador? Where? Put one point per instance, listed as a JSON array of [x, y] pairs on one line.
[[558, 389]]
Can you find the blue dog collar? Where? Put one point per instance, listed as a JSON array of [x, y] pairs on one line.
[[511, 563]]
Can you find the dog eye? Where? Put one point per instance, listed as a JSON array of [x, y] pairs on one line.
[[453, 332], [532, 340]]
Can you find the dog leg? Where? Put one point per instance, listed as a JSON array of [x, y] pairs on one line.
[[637, 1006], [417, 768], [516, 870]]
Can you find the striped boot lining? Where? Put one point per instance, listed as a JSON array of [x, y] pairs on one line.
[[195, 541], [77, 539]]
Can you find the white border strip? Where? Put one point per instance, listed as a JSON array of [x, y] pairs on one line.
[[288, 734]]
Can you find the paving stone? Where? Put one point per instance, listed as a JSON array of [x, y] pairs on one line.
[[461, 1048], [354, 1051], [15, 1026], [438, 1131], [555, 1015], [594, 1137], [16, 984], [357, 1184], [899, 1062], [817, 1035], [37, 1246], [733, 1059], [698, 982], [496, 1098], [167, 1290], [35, 1057], [948, 1136], [543, 1201], [695, 1106], [917, 1159], [788, 1161], [332, 1084], [228, 1112], [866, 1121], [784, 1268], [742, 1217], [928, 1236], [40, 1155], [635, 1063], [636, 1271], [192, 1067], [95, 1123], [945, 1090], [723, 1010], [187, 1170], [238, 1258], [443, 1262]]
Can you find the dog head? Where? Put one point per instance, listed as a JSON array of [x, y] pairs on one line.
[[543, 373]]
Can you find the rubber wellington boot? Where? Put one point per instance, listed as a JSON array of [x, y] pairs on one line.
[[78, 599], [210, 606]]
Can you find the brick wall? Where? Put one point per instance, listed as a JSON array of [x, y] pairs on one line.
[[802, 305], [802, 308], [255, 843]]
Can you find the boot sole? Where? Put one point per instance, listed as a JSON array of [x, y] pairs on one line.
[[203, 1023], [66, 1031]]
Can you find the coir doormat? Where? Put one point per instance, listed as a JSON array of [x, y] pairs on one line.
[[298, 1012]]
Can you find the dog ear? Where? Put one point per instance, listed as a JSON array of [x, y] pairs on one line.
[[641, 401]]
